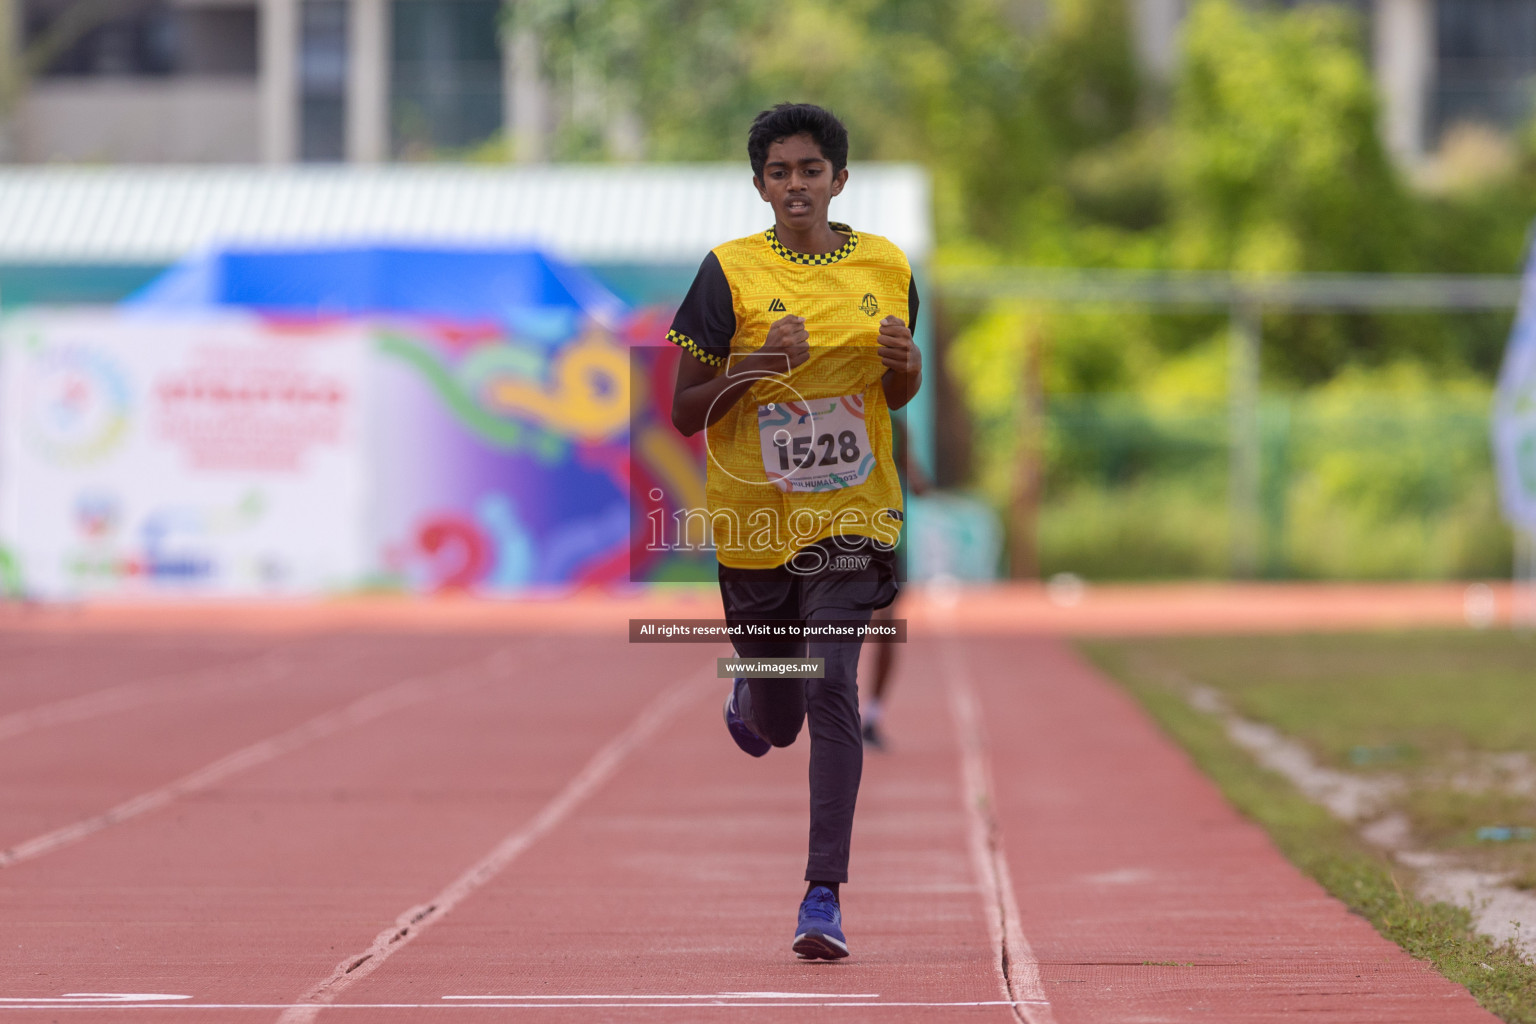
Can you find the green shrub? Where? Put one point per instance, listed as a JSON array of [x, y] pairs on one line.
[[1357, 482]]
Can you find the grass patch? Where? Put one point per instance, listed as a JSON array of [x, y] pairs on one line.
[[1451, 714], [1363, 701], [1158, 671], [1449, 817]]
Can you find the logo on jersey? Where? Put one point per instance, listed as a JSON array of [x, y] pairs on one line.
[[776, 306], [869, 305]]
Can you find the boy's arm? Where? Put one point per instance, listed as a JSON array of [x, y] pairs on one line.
[[900, 354], [704, 393], [703, 327], [903, 361]]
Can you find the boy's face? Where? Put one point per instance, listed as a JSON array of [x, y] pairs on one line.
[[798, 181]]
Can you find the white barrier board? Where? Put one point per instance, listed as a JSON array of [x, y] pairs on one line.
[[209, 455]]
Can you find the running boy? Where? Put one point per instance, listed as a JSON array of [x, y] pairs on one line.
[[800, 343]]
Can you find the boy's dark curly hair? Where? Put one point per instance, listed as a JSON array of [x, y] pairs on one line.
[[789, 119]]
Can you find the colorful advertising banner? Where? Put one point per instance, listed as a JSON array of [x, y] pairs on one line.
[[221, 453], [215, 454]]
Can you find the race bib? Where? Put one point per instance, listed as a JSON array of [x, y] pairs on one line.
[[816, 445]]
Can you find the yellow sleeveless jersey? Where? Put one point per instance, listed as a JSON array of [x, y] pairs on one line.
[[807, 454]]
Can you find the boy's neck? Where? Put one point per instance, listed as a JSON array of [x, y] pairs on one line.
[[813, 242]]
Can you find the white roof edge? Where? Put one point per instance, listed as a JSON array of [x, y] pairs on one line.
[[641, 213]]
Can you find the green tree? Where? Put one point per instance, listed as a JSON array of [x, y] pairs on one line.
[[1276, 163], [963, 88], [661, 63]]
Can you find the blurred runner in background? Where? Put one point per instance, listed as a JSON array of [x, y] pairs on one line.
[[872, 709]]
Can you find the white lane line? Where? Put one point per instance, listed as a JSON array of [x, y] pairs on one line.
[[91, 998], [714, 995], [414, 921], [366, 709], [125, 697], [586, 1007], [1018, 970]]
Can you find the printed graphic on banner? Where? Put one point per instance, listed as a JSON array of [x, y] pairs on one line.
[[666, 469], [815, 445], [77, 403], [503, 462], [234, 407]]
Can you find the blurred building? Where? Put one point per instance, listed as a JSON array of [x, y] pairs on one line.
[[1438, 63], [282, 81], [274, 81]]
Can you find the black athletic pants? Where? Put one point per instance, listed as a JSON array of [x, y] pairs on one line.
[[776, 708]]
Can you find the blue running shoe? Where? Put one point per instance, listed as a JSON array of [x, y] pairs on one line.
[[820, 933], [741, 732]]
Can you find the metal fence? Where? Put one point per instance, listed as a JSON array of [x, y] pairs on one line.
[[1234, 488]]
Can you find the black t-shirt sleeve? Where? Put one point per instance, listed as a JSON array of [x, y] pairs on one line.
[[706, 321], [912, 304]]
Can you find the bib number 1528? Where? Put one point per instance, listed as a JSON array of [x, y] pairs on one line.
[[820, 445], [797, 452]]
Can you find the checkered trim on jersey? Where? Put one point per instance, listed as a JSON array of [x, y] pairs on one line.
[[678, 338], [817, 259]]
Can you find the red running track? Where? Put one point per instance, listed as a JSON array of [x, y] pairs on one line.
[[355, 826]]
